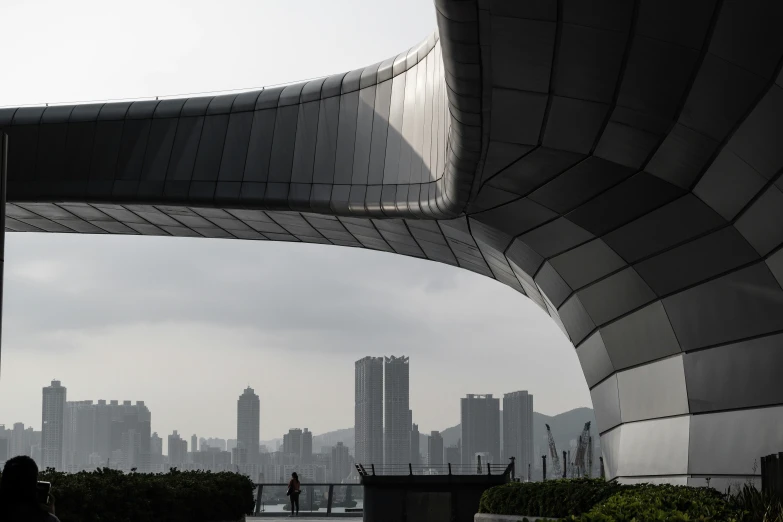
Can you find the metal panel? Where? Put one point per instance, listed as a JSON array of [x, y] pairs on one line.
[[653, 390]]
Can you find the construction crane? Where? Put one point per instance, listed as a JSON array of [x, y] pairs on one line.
[[590, 457], [553, 453], [582, 449]]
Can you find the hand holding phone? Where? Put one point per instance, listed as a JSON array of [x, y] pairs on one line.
[[43, 490]]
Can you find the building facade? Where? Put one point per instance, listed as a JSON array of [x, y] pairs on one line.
[[415, 458], [368, 411], [435, 449], [452, 455], [53, 425], [78, 435], [178, 450], [340, 463], [518, 430], [480, 428], [156, 453], [396, 411], [248, 426], [306, 452], [292, 442]]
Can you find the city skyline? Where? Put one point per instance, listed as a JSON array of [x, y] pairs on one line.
[[78, 451], [111, 316], [637, 223]]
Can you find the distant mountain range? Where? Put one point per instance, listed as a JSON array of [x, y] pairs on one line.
[[566, 427]]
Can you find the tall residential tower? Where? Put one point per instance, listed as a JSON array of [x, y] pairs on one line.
[[396, 411], [518, 430], [368, 411], [248, 426], [480, 428], [52, 426]]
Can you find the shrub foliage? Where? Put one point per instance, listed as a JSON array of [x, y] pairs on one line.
[[177, 496], [586, 500], [553, 498], [662, 503]]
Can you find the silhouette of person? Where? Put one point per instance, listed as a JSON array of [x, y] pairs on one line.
[[293, 492], [19, 493]]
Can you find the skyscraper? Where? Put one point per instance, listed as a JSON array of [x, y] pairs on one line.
[[248, 426], [193, 443], [122, 435], [156, 453], [415, 455], [396, 401], [518, 430], [434, 449], [53, 413], [20, 443], [339, 463], [78, 435], [480, 428], [307, 447], [292, 442], [178, 450], [452, 454], [368, 411]]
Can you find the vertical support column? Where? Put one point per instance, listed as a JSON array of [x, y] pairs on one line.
[[260, 493], [329, 500], [3, 185]]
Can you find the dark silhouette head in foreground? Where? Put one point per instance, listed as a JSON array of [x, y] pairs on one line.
[[18, 492], [295, 476]]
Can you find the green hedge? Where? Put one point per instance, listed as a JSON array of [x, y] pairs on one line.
[[663, 503], [187, 496], [585, 500], [553, 498]]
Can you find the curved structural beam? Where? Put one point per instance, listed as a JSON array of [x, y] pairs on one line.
[[617, 162]]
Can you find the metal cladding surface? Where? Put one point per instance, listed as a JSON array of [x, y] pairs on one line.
[[616, 161]]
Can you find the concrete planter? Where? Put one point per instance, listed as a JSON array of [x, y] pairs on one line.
[[486, 517]]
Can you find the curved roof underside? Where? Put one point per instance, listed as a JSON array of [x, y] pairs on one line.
[[618, 162]]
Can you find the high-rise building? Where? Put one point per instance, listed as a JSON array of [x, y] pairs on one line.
[[20, 443], [248, 426], [518, 430], [5, 444], [452, 454], [415, 458], [339, 463], [78, 435], [368, 411], [396, 402], [306, 453], [480, 428], [156, 453], [211, 459], [219, 444], [193, 443], [53, 413], [292, 442], [435, 449], [178, 450], [121, 435]]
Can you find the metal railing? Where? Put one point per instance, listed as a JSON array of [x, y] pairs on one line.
[[772, 474], [322, 498], [435, 469], [197, 94]]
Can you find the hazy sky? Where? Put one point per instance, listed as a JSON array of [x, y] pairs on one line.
[[186, 324]]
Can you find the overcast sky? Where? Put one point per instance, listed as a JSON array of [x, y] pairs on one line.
[[186, 324]]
